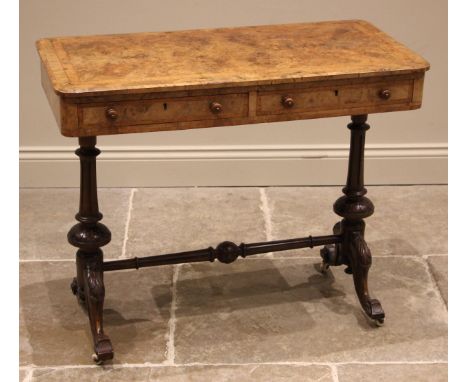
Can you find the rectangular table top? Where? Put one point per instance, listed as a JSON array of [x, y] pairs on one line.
[[221, 58]]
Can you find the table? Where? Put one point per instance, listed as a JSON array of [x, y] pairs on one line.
[[149, 82]]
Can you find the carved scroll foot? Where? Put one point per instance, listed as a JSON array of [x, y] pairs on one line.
[[361, 260], [103, 349], [94, 294]]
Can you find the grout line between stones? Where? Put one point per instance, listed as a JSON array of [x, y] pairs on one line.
[[127, 223], [334, 372], [438, 292], [305, 363], [265, 207], [435, 255], [170, 344], [332, 365], [28, 377]]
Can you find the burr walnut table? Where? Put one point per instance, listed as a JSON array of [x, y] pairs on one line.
[[149, 82]]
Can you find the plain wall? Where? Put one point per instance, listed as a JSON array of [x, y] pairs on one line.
[[411, 146]]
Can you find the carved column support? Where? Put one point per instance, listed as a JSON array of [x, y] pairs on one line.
[[353, 207], [89, 235]]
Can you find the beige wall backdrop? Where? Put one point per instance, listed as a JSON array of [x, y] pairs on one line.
[[402, 148]]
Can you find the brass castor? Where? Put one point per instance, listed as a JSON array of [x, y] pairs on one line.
[[379, 322], [376, 322], [96, 359]]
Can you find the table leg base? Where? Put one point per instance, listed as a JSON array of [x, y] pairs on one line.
[[345, 247], [354, 207], [103, 350], [102, 345], [94, 295], [354, 252]]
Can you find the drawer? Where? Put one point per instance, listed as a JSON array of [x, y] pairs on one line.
[[333, 97], [154, 111]]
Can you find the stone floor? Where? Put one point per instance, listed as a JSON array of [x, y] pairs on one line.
[[264, 318]]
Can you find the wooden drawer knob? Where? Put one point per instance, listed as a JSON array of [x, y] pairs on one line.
[[216, 107], [385, 94], [287, 102], [111, 113]]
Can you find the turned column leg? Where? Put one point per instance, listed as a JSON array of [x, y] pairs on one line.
[[353, 206], [89, 235]]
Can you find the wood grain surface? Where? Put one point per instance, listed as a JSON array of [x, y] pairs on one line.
[[219, 58], [143, 82]]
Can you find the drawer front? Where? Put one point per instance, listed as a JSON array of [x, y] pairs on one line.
[[154, 111], [333, 98]]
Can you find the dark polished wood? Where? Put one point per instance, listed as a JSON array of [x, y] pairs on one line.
[[353, 206], [226, 252], [89, 235], [346, 246]]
